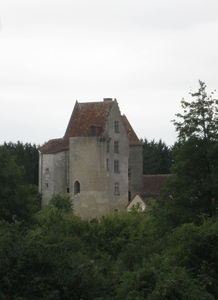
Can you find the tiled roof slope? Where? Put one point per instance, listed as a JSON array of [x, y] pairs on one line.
[[133, 139], [152, 184], [55, 145], [87, 114], [83, 117]]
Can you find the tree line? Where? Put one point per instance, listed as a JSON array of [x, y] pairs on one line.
[[167, 252], [27, 156], [157, 158]]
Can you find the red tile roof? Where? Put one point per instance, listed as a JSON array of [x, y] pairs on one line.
[[84, 116], [133, 139], [152, 184], [87, 114], [55, 145]]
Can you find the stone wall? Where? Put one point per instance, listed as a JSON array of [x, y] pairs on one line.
[[52, 175], [88, 167], [135, 170], [118, 201]]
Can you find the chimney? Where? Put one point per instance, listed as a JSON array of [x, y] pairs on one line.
[[108, 99]]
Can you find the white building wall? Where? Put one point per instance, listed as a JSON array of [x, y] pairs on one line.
[[52, 175], [137, 203]]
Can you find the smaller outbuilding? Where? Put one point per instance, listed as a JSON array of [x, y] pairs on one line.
[[137, 203]]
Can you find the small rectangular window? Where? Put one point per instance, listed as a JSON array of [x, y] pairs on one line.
[[46, 184], [116, 126], [116, 147], [93, 130], [116, 166], [116, 188], [108, 147], [107, 164], [47, 170]]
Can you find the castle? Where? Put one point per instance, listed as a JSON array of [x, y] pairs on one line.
[[98, 161]]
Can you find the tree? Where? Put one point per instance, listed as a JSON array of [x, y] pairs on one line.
[[26, 156], [199, 118], [194, 188], [195, 249], [157, 157], [61, 202], [17, 200]]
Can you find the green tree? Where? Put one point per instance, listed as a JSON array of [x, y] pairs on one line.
[[17, 200], [160, 278], [157, 157], [61, 202], [195, 248], [193, 190], [53, 261], [26, 156], [199, 118]]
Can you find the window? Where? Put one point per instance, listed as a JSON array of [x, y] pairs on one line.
[[116, 126], [107, 164], [108, 147], [47, 170], [93, 130], [46, 184], [68, 190], [116, 166], [76, 187], [116, 147], [116, 188], [129, 173]]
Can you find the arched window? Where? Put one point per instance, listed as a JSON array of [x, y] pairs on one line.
[[76, 187]]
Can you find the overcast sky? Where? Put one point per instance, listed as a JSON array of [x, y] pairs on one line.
[[146, 54]]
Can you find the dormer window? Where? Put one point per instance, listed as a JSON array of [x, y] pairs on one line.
[[93, 130]]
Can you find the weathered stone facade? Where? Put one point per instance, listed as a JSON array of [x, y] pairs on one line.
[[98, 161]]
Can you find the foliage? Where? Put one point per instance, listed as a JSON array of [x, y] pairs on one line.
[[61, 202], [26, 156], [199, 118], [17, 201], [117, 257], [157, 157], [52, 261], [194, 188], [159, 278], [196, 249]]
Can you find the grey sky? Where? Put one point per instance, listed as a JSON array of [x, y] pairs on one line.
[[147, 54]]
